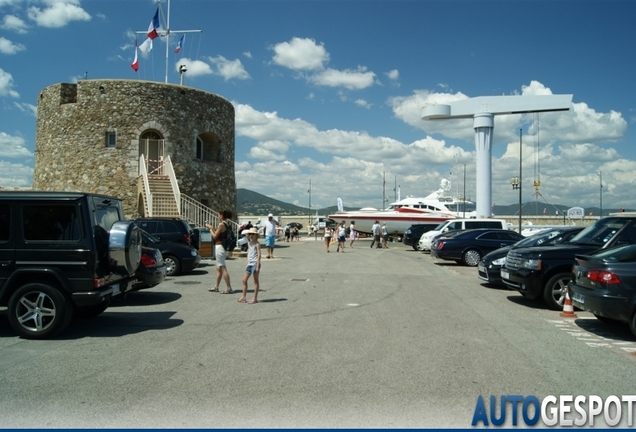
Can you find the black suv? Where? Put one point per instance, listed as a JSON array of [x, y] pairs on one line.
[[414, 232], [544, 272], [170, 229], [62, 254]]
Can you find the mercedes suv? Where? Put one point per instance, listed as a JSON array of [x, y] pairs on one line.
[[62, 254]]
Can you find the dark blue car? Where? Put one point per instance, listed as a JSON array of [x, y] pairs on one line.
[[604, 283], [467, 247], [178, 257]]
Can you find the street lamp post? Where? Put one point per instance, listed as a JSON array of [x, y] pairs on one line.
[[600, 174], [309, 208], [516, 181]]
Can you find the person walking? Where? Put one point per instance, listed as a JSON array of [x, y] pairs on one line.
[[271, 226], [352, 233], [327, 237], [385, 236], [253, 265], [219, 235], [341, 236], [375, 231]]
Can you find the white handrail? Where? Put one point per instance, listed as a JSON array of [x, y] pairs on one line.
[[144, 175], [169, 170]]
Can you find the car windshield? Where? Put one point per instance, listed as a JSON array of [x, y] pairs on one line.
[[440, 226], [600, 232], [538, 239]]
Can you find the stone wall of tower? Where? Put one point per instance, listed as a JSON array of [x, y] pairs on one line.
[[73, 121]]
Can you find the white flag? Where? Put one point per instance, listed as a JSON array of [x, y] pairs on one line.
[[146, 46]]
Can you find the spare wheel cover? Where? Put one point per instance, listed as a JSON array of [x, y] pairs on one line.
[[124, 247]]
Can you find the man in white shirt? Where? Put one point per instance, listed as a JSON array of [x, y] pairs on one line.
[[271, 226], [375, 229]]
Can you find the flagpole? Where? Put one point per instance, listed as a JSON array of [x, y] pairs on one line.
[[145, 48], [167, 40]]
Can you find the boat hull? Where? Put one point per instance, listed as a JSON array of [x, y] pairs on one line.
[[396, 222]]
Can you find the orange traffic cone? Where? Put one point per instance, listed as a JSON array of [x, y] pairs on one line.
[[568, 309]]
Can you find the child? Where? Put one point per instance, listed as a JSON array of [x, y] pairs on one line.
[[253, 265]]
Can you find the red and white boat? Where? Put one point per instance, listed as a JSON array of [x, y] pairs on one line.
[[436, 207]]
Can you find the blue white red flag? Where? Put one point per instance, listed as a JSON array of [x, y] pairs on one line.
[[135, 63], [154, 25], [180, 44]]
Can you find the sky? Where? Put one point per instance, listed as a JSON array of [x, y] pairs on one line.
[[328, 95]]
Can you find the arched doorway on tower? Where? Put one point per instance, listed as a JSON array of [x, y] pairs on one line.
[[151, 145]]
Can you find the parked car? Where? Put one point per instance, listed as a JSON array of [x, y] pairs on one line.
[[489, 268], [413, 233], [458, 224], [151, 271], [62, 254], [544, 272], [178, 257], [467, 247], [170, 229], [321, 222], [604, 283]]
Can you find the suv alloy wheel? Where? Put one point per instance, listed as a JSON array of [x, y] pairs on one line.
[[38, 310]]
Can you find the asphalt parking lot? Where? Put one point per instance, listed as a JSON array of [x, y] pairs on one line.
[[365, 338]]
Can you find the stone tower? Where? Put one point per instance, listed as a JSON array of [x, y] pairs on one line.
[[90, 135]]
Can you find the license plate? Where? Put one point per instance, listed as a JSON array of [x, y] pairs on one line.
[[116, 289], [505, 274], [481, 268], [579, 298]]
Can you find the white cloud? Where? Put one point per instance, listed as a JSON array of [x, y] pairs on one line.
[[13, 23], [15, 175], [195, 67], [6, 85], [229, 69], [13, 146], [346, 158], [27, 108], [300, 54], [58, 13], [393, 75], [351, 79], [247, 54], [362, 103], [8, 47]]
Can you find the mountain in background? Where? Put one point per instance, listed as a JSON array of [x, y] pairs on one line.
[[254, 203]]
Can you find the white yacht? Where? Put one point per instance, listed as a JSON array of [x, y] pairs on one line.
[[399, 215]]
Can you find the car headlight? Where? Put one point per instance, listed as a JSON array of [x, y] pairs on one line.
[[499, 262], [530, 263], [194, 252]]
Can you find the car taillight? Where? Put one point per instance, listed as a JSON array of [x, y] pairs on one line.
[[147, 261], [440, 245], [603, 276], [186, 237]]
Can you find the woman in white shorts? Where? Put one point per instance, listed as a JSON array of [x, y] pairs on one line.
[[220, 253]]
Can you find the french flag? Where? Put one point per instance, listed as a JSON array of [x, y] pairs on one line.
[[154, 25], [180, 44], [135, 63]]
